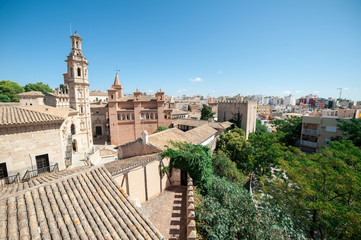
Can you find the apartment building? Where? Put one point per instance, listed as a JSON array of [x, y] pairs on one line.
[[318, 131]]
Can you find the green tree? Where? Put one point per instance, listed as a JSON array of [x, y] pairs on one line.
[[233, 145], [4, 98], [39, 86], [323, 190], [161, 128], [10, 89], [260, 128], [289, 130], [206, 112], [225, 167], [196, 160], [228, 212], [351, 129]]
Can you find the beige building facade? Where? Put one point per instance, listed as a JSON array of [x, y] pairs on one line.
[[247, 109], [318, 131]]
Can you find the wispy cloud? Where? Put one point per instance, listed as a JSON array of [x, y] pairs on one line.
[[316, 91], [219, 72], [298, 91], [197, 79], [150, 90], [345, 88], [287, 92]]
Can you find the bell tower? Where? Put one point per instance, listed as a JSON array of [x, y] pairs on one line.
[[76, 80]]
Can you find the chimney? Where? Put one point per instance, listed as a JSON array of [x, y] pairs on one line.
[[145, 137]]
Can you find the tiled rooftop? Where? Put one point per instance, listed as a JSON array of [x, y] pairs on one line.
[[200, 134], [17, 115], [123, 164], [84, 205], [163, 138]]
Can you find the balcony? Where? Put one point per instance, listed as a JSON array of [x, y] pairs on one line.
[[310, 131], [308, 144]]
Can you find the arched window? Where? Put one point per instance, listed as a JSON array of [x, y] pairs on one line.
[[76, 44], [142, 116], [79, 72], [128, 117], [151, 116], [156, 115], [123, 118], [72, 129], [119, 116], [132, 116], [147, 115]]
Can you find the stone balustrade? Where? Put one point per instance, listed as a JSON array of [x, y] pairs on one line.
[[191, 224]]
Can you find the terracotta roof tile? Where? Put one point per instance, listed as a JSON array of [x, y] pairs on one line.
[[87, 204], [200, 134], [163, 138], [17, 115]]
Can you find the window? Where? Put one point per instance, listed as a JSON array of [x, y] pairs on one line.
[[123, 117], [147, 115], [76, 44], [132, 116], [79, 72], [111, 96], [128, 117], [81, 109], [42, 163], [119, 117], [330, 129], [71, 72], [72, 129]]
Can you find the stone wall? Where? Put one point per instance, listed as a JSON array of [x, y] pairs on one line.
[[20, 145]]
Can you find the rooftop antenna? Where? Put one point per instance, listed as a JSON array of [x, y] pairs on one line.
[[340, 89]]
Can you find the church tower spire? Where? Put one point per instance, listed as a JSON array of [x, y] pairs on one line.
[[76, 80]]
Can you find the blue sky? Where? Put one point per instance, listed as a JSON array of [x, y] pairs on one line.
[[188, 47]]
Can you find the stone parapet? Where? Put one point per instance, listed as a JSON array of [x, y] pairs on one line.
[[191, 224]]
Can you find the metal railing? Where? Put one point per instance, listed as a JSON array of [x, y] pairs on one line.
[[10, 179], [310, 131], [34, 173], [309, 144]]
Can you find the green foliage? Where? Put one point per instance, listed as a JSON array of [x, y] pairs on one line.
[[289, 130], [196, 160], [224, 167], [233, 144], [206, 112], [161, 128], [4, 98], [260, 128], [323, 190], [228, 212], [351, 129], [10, 89], [39, 86]]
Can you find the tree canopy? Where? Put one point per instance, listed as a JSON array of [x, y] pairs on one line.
[[206, 112], [323, 190], [260, 128], [39, 86], [228, 212], [289, 130], [10, 89], [4, 98], [351, 129], [225, 167]]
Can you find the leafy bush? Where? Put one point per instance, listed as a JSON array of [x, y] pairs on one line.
[[196, 160], [224, 167], [161, 128]]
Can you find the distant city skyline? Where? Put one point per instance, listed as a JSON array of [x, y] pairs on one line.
[[216, 48]]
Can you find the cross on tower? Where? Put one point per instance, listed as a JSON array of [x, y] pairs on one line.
[[116, 69]]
